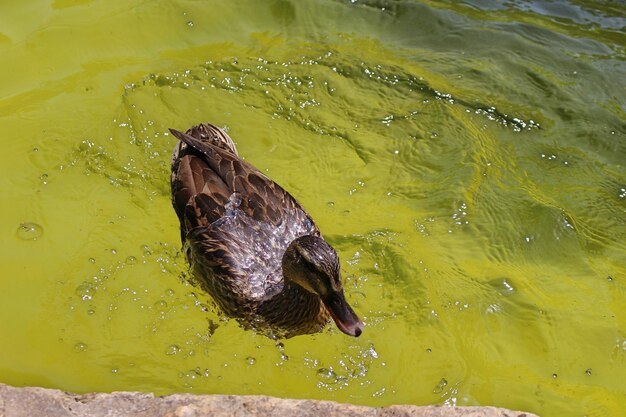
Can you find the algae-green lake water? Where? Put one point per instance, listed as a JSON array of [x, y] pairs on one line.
[[465, 158]]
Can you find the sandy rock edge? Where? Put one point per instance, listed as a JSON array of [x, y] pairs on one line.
[[35, 401]]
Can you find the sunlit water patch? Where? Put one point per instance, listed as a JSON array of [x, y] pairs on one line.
[[467, 166]]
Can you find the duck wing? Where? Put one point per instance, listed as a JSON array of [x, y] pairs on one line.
[[207, 172]]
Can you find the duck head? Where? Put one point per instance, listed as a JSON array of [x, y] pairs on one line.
[[313, 264]]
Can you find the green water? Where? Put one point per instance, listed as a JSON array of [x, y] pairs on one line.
[[466, 159]]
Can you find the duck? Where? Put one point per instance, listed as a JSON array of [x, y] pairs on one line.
[[250, 245]]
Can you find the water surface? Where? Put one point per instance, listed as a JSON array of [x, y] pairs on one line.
[[466, 159]]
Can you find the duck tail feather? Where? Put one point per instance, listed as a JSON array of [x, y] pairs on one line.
[[206, 133]]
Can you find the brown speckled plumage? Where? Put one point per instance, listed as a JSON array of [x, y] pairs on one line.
[[236, 225]]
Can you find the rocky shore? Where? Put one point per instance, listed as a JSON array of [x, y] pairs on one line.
[[34, 401]]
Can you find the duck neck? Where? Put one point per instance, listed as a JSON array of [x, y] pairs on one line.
[[294, 310]]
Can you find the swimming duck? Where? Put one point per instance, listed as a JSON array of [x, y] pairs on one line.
[[250, 244]]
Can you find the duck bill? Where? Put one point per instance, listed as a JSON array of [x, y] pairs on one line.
[[343, 315]]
